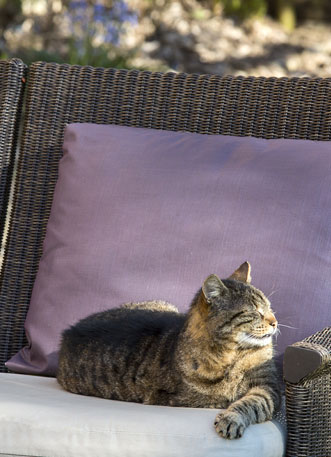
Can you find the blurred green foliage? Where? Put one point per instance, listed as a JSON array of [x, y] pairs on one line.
[[95, 59], [286, 14], [245, 8], [283, 10], [96, 56]]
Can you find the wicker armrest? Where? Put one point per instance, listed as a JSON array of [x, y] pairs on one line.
[[307, 373], [305, 360]]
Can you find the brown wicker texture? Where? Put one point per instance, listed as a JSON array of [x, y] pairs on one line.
[[11, 93], [61, 94], [308, 404]]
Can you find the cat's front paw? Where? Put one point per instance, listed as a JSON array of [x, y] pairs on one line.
[[229, 425]]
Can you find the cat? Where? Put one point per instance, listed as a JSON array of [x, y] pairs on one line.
[[217, 355]]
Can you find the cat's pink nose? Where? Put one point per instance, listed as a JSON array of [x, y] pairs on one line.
[[272, 320], [273, 323]]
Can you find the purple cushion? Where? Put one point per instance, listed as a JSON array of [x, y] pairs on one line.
[[141, 214]]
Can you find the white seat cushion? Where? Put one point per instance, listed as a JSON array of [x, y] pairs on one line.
[[38, 418]]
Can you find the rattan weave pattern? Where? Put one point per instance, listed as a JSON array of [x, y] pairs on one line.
[[61, 94], [308, 404], [11, 91], [323, 337], [309, 418], [320, 342]]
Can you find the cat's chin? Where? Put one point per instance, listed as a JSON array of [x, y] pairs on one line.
[[248, 340]]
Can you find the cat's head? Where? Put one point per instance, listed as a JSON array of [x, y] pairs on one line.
[[234, 310]]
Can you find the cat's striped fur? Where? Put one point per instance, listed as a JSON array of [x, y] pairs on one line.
[[218, 355]]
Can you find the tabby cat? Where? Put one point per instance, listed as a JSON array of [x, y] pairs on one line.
[[217, 355]]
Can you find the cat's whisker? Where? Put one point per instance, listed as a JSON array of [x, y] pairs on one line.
[[272, 292], [277, 332], [288, 326]]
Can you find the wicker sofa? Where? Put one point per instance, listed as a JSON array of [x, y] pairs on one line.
[[60, 94]]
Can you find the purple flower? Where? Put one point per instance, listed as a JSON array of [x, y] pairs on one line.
[[80, 4], [112, 35], [123, 13], [99, 12], [92, 19]]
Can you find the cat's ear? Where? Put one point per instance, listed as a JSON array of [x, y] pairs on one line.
[[213, 288], [243, 273]]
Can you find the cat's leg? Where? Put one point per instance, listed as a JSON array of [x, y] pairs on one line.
[[257, 406]]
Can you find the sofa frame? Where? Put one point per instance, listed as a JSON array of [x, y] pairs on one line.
[[35, 105]]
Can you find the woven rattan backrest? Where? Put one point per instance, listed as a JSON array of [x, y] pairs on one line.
[[11, 95], [60, 94]]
